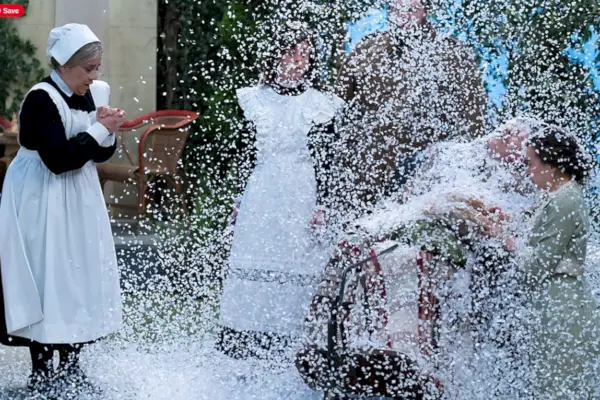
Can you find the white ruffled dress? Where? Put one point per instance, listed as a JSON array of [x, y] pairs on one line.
[[275, 263]]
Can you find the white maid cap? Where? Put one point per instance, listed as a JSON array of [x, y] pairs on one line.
[[65, 40]]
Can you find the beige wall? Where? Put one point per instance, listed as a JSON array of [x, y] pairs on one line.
[[128, 30], [36, 25]]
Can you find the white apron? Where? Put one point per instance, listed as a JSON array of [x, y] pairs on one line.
[[275, 265], [59, 267]]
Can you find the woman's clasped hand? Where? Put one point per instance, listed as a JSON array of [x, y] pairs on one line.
[[111, 118]]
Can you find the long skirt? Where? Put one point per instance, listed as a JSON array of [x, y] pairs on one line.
[[567, 340]]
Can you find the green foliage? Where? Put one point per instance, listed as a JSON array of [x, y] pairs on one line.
[[20, 69], [535, 34]]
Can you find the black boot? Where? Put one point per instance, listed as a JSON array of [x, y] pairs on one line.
[[42, 369], [72, 378]]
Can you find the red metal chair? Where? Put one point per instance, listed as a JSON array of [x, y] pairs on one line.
[[159, 152]]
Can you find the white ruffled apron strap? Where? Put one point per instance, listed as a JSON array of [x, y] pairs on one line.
[[100, 93], [22, 302], [61, 104]]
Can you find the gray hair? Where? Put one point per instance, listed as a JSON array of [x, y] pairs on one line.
[[527, 126], [82, 55]]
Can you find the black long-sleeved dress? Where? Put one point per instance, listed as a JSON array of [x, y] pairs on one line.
[[41, 129], [278, 194]]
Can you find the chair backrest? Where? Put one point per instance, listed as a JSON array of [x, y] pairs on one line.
[[161, 117], [5, 124], [162, 144]]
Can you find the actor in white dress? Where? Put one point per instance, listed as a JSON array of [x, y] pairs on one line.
[[60, 278], [276, 258]]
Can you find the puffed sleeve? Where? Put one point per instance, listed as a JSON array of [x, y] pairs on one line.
[[249, 102], [100, 93], [41, 129]]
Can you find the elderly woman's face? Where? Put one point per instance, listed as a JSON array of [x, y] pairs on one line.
[[507, 148], [295, 62], [508, 145], [80, 77]]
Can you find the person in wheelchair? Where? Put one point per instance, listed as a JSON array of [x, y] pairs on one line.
[[458, 194]]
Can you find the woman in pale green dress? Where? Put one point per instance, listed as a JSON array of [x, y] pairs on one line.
[[566, 325]]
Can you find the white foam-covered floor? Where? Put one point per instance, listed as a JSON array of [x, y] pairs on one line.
[[193, 371]]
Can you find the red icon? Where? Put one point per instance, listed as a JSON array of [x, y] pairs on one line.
[[11, 10]]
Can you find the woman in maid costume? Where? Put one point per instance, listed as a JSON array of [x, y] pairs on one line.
[[275, 258], [59, 270]]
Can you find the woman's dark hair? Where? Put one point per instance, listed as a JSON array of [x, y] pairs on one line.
[[559, 149], [286, 38]]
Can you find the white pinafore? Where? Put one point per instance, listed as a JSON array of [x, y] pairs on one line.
[[59, 268], [275, 265]]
